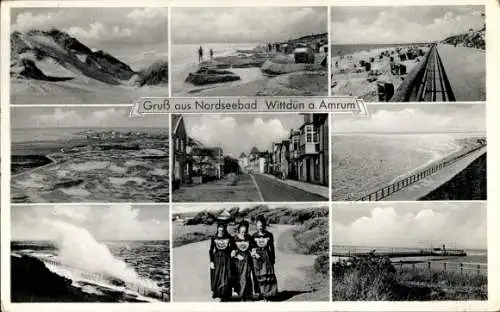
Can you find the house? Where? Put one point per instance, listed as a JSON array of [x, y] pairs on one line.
[[313, 149], [293, 154], [207, 163], [180, 173], [257, 161]]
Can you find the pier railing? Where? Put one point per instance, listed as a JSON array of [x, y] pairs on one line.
[[392, 188]]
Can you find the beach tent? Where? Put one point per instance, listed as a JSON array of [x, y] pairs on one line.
[[304, 55]]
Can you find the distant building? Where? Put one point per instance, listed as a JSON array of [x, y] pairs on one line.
[[243, 162], [257, 161], [179, 140], [208, 162]]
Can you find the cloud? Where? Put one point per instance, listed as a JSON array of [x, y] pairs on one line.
[[402, 24], [236, 136], [411, 119], [112, 222], [62, 117], [249, 24], [390, 226]]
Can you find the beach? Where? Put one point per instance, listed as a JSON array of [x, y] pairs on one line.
[[247, 62], [351, 75]]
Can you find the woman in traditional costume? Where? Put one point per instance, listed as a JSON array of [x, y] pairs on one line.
[[243, 264], [263, 260], [221, 252]]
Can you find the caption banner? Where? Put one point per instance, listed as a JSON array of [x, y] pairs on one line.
[[337, 105]]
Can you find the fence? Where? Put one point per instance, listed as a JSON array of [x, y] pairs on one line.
[[464, 268], [400, 184]]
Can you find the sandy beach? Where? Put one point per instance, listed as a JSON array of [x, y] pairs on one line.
[[350, 75]]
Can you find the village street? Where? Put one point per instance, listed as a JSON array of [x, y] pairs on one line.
[[248, 188]]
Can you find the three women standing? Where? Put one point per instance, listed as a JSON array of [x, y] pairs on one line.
[[244, 263]]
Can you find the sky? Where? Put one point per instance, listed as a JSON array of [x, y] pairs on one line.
[[103, 222], [410, 224], [183, 208], [237, 133], [245, 24], [82, 117], [402, 24], [415, 118], [136, 36]]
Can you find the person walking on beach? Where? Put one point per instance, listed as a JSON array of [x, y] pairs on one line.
[[264, 260], [243, 264], [200, 54], [211, 54], [221, 269]]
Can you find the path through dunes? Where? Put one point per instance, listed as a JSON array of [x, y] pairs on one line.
[[191, 280]]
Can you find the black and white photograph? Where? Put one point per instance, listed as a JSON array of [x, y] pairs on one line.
[[249, 51], [410, 152], [224, 253], [250, 157], [409, 53], [90, 253], [418, 251], [88, 154], [101, 55]]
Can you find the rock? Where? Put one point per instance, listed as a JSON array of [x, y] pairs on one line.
[[209, 76]]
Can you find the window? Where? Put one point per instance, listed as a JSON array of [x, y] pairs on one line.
[[296, 142], [309, 131]]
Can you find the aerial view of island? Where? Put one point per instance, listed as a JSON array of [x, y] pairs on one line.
[[409, 53], [240, 55], [88, 55], [86, 154]]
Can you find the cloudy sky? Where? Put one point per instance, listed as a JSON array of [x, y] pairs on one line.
[[415, 118], [136, 36], [183, 208], [82, 117], [103, 222], [245, 24], [402, 24], [414, 224], [238, 133]]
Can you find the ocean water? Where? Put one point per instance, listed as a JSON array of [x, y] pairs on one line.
[[56, 134], [346, 49], [185, 60], [125, 270], [363, 162]]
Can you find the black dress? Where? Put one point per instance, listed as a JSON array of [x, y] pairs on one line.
[[220, 275], [243, 267], [264, 265]]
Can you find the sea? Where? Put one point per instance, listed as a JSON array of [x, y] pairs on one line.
[[364, 162], [184, 60], [347, 49], [127, 271], [21, 135]]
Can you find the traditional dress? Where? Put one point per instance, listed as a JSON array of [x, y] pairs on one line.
[[264, 264], [220, 275], [243, 267]]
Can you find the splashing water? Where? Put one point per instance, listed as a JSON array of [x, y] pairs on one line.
[[77, 248]]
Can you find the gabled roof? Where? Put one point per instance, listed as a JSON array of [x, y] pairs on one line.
[[176, 121], [243, 155], [254, 150]]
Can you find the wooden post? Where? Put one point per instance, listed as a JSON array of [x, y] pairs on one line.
[[461, 268]]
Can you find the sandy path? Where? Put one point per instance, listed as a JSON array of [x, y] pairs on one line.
[[191, 281]]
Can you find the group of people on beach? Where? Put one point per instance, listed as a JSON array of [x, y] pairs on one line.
[[200, 54], [243, 264]]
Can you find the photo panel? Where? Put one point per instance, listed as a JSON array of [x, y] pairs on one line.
[[411, 251], [250, 157], [90, 253], [93, 55], [409, 53], [249, 252], [88, 154], [409, 152], [249, 51]]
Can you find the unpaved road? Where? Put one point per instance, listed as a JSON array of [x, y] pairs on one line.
[[191, 281]]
